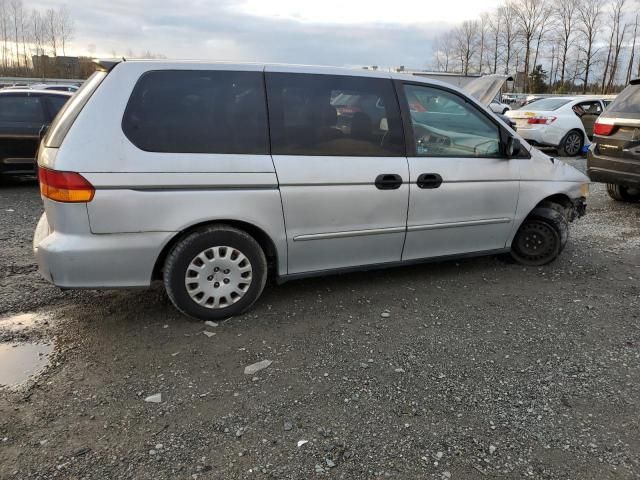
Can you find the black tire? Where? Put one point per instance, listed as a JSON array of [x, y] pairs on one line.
[[541, 237], [187, 249], [571, 144], [623, 194]]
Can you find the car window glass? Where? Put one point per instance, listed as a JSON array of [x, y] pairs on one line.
[[57, 102], [446, 125], [591, 108], [333, 115], [21, 109], [627, 101], [198, 111], [546, 104]]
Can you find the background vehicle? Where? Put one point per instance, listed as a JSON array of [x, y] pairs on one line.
[[498, 107], [565, 123], [23, 113], [189, 172], [614, 157], [53, 86]]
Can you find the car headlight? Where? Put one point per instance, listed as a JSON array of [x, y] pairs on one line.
[[584, 190]]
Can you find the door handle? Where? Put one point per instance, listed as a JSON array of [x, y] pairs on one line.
[[429, 180], [388, 181]]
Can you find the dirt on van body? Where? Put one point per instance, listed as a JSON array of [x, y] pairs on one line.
[[467, 369]]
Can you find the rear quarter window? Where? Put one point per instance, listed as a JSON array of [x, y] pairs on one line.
[[198, 111], [71, 109]]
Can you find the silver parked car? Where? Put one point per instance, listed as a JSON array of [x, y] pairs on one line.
[[214, 176]]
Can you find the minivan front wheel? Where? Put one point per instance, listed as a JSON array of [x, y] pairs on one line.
[[540, 238], [215, 272]]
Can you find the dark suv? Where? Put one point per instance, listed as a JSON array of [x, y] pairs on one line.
[[23, 113], [614, 156]]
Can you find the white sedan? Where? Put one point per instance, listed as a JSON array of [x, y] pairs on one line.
[[565, 123]]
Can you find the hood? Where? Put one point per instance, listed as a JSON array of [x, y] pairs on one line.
[[485, 89]]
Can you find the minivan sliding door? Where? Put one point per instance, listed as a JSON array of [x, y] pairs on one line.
[[338, 149]]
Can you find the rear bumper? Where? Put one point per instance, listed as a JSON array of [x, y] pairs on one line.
[[606, 169], [548, 136], [97, 261]]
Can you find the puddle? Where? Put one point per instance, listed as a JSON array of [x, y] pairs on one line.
[[21, 321], [20, 361]]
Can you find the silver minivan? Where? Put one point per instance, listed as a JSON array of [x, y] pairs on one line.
[[213, 177]]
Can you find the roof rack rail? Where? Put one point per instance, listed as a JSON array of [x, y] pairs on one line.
[[635, 81]]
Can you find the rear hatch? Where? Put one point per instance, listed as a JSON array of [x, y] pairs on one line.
[[617, 131]]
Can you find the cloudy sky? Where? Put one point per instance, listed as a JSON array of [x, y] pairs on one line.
[[330, 32]]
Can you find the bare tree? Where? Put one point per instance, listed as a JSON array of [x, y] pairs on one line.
[[509, 33], [465, 38], [544, 26], [51, 22], [615, 43], [494, 37], [4, 31], [589, 12], [15, 10], [633, 51], [443, 52], [565, 13], [65, 27], [529, 16]]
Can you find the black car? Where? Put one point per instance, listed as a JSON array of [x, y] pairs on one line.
[[614, 156], [23, 113]]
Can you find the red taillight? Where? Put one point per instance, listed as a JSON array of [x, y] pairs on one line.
[[541, 120], [68, 187], [603, 129]]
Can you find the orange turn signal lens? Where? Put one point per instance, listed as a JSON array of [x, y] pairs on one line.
[[67, 187]]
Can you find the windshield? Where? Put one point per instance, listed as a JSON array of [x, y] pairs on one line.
[[628, 101], [546, 104]]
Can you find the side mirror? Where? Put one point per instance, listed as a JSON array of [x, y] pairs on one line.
[[513, 147]]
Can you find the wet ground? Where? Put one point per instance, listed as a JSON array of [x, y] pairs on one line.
[[472, 369]]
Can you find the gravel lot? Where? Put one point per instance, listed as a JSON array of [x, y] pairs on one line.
[[481, 369]]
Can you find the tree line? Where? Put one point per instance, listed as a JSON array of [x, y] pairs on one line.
[[550, 45], [25, 33]]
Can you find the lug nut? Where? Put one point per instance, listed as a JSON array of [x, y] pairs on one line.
[[226, 280], [226, 271], [216, 285], [210, 277]]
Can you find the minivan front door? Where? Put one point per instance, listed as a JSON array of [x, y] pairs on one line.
[[463, 192], [338, 149]]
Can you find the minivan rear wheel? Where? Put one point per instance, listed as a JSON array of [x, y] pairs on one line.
[[540, 238], [215, 272], [622, 193]]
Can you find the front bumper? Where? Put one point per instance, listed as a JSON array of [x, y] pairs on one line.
[[84, 260], [578, 208]]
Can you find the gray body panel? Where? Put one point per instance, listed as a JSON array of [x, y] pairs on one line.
[[335, 215], [472, 211]]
